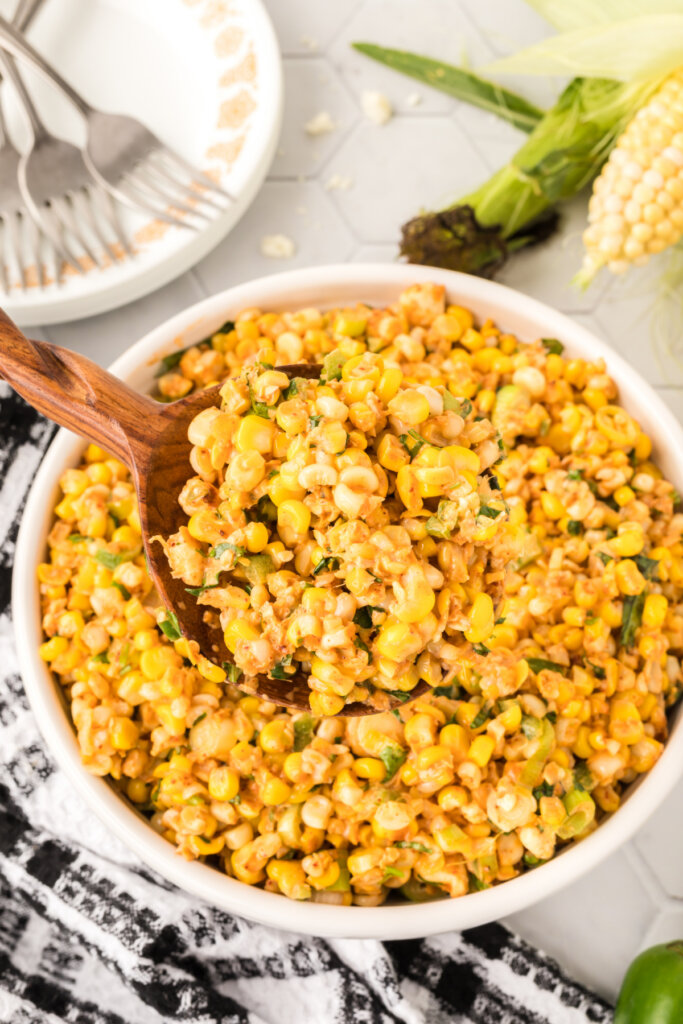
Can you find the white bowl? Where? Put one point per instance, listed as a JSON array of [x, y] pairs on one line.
[[325, 287]]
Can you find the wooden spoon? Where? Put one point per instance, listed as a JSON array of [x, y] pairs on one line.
[[151, 439]]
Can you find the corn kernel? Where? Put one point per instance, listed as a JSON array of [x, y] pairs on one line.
[[552, 506], [481, 749], [409, 406], [481, 619], [654, 611], [628, 543], [274, 791], [123, 733], [51, 649], [369, 768], [224, 783], [238, 630]]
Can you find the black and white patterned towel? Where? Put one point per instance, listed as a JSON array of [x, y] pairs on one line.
[[89, 936]]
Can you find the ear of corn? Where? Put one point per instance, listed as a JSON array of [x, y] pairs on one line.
[[636, 208]]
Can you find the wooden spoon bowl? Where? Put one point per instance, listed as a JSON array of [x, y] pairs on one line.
[[150, 438]]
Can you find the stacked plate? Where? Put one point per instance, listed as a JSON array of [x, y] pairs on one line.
[[206, 78]]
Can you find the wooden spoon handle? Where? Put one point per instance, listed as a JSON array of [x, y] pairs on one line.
[[78, 394]]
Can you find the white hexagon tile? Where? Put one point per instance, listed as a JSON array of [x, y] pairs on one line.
[[339, 188]]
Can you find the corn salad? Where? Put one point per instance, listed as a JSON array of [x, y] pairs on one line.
[[529, 737], [314, 517]]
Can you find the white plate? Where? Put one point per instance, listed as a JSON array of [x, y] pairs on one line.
[[377, 284], [204, 75]]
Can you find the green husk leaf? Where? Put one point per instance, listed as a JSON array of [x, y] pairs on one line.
[[646, 46], [516, 207], [581, 13], [459, 83]]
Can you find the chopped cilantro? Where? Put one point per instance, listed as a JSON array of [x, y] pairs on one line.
[[575, 474], [648, 566], [264, 511], [583, 778], [399, 695], [232, 672], [200, 718], [220, 549], [392, 757], [169, 626], [77, 538], [545, 789], [481, 649], [363, 616], [110, 559], [258, 408], [314, 420], [124, 591], [278, 669], [452, 691], [490, 513], [604, 557], [102, 658], [172, 360], [552, 346], [303, 732], [538, 664], [598, 671], [325, 564], [476, 884], [418, 440], [196, 591], [462, 406], [436, 528], [392, 872], [332, 365], [631, 618], [196, 800], [362, 646], [408, 844], [574, 527], [482, 715]]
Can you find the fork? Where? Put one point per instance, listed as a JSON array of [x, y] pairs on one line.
[[15, 222], [126, 157], [59, 190]]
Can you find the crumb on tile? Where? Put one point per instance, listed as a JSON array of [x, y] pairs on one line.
[[414, 99], [277, 247], [376, 106], [320, 124], [338, 183]]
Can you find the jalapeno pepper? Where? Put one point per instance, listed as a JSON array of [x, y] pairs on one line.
[[652, 992]]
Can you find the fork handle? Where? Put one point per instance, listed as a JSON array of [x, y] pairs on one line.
[[25, 13], [13, 42], [78, 394]]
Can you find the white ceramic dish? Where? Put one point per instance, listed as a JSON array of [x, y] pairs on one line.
[[329, 286], [206, 77]]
